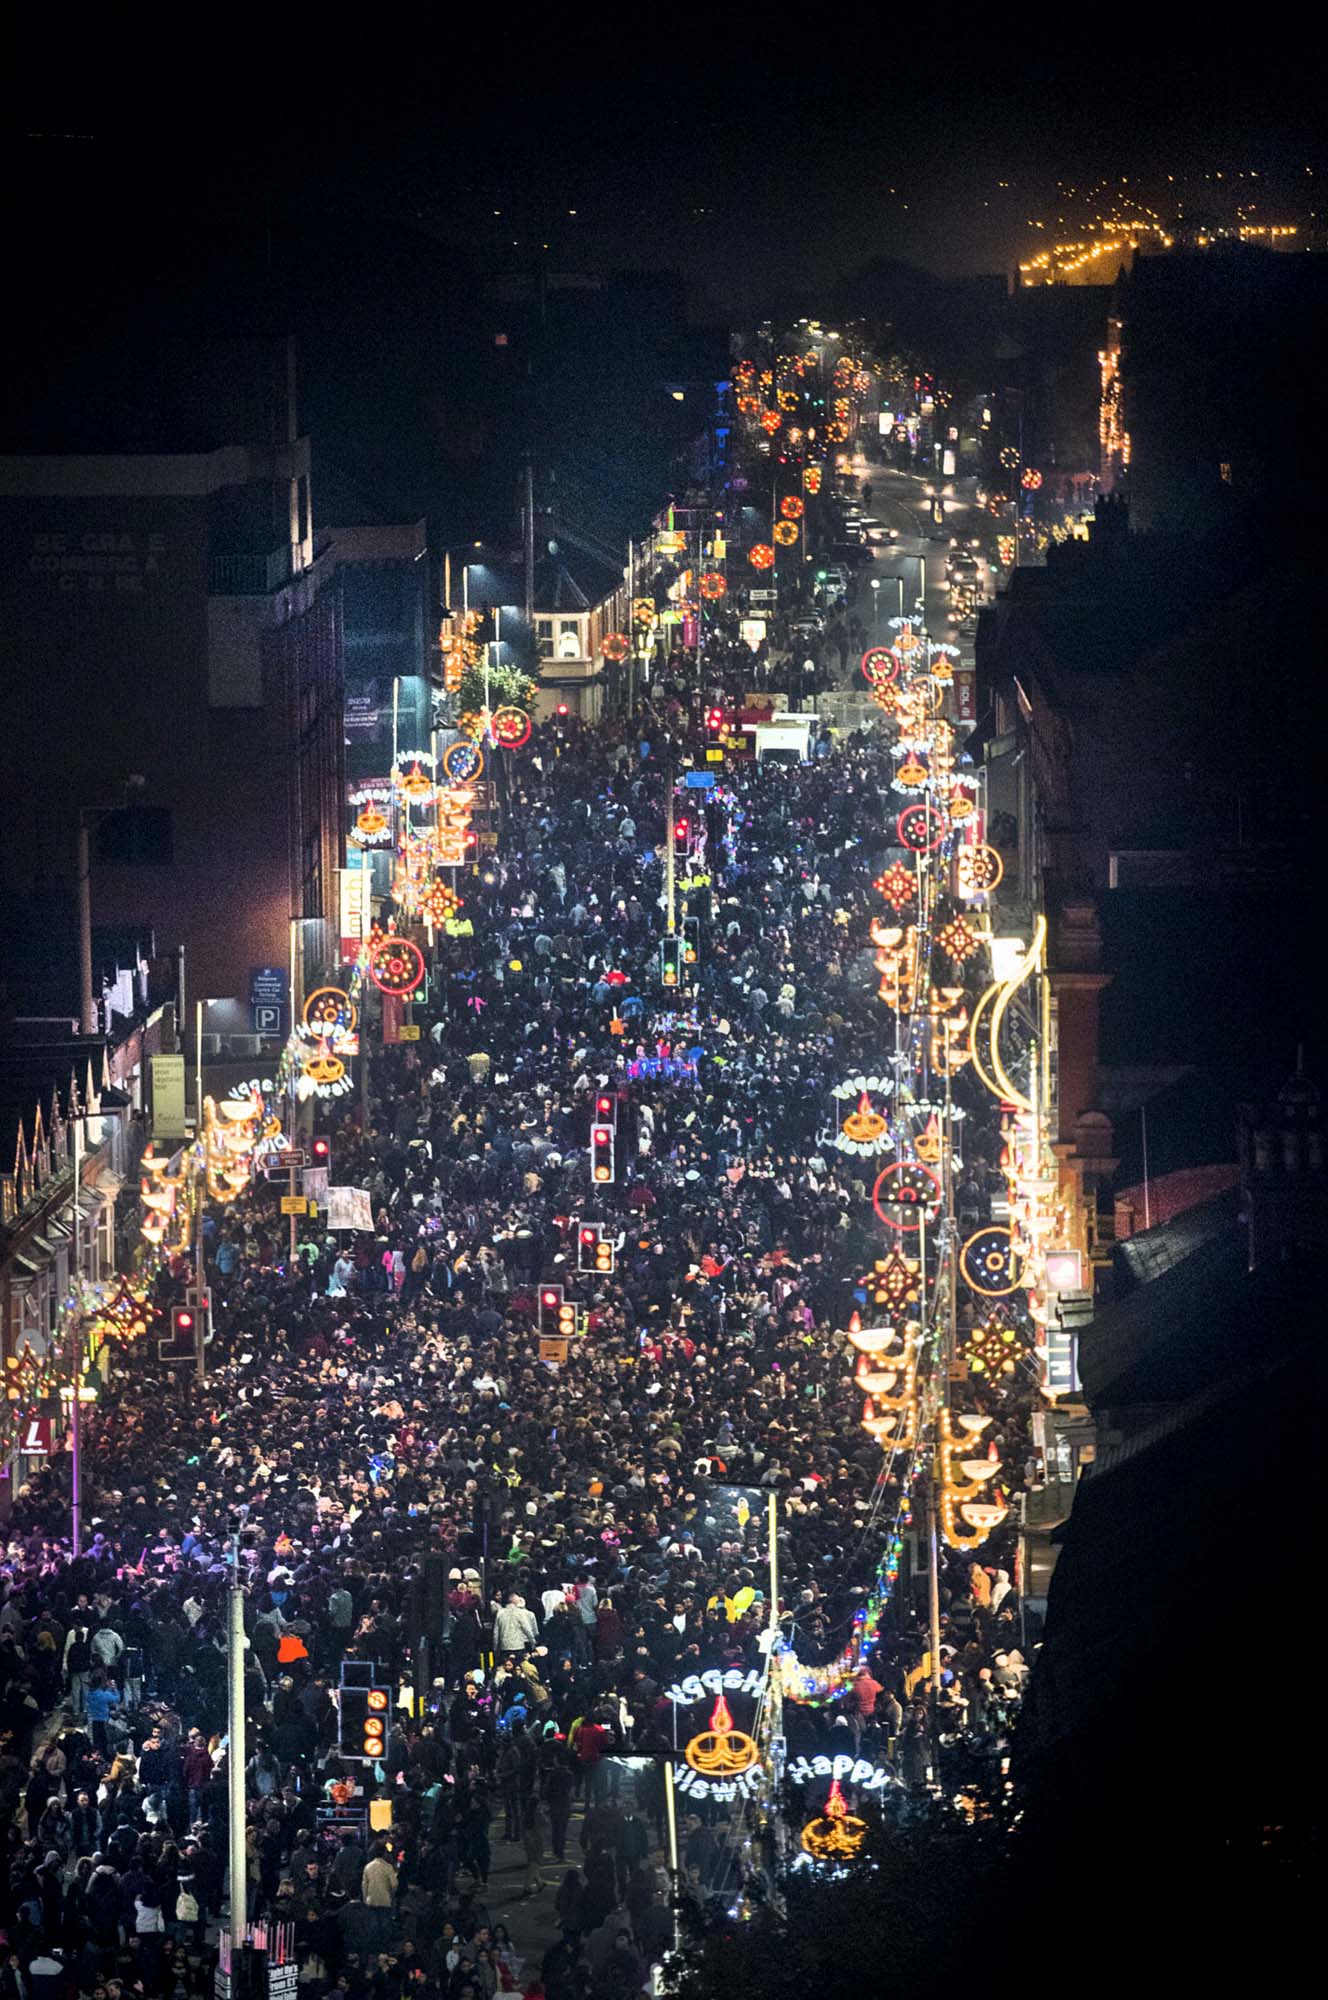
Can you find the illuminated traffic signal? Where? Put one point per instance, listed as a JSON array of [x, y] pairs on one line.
[[594, 1251], [550, 1307], [566, 1326], [181, 1343], [363, 1722], [605, 1256], [602, 1164], [682, 839], [320, 1151], [714, 720], [670, 961], [691, 940], [606, 1108]]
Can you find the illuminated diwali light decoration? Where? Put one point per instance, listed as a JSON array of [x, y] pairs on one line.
[[124, 1318], [748, 404], [956, 1496], [978, 869], [788, 400], [791, 507], [990, 1262], [835, 1834], [441, 903], [836, 430], [785, 533], [230, 1132], [994, 1346], [920, 829], [395, 965], [329, 1008], [865, 1131], [643, 611], [958, 940], [896, 960], [941, 666], [509, 728], [1009, 457], [898, 885], [906, 1194], [928, 1143], [879, 664], [761, 556], [615, 646], [770, 421], [721, 1751], [912, 774], [1031, 479], [744, 371], [712, 585], [322, 1066], [462, 761], [811, 478], [414, 782], [961, 805]]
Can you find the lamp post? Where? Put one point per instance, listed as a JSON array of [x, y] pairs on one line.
[[876, 602]]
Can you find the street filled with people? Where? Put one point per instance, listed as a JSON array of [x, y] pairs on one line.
[[532, 1552]]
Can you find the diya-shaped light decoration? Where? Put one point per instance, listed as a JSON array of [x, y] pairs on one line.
[[835, 1834], [722, 1750], [864, 1131]]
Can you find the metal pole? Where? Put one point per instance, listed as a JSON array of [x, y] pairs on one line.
[[76, 1357], [670, 871], [235, 1760], [1143, 1135], [529, 540], [671, 1821], [933, 1596], [198, 1069], [87, 1016]]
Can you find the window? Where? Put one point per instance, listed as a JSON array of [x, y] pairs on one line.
[[313, 874], [569, 639], [544, 637]]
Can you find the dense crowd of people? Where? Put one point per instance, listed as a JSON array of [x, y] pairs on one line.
[[380, 1441]]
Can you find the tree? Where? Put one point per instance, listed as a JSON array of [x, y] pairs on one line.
[[506, 687]]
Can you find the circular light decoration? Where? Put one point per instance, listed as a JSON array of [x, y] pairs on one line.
[[509, 728], [811, 478], [1031, 479], [791, 507], [836, 430], [919, 829], [770, 422], [905, 1195], [329, 1009], [785, 533], [712, 584], [396, 965], [439, 904], [978, 870], [615, 646], [748, 404], [414, 782], [880, 665], [990, 1263], [1009, 457], [462, 761], [643, 611], [721, 1751], [836, 1834], [761, 556]]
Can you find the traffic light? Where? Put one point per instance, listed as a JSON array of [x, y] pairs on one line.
[[670, 961], [602, 1163], [594, 1251], [550, 1304], [566, 1326], [714, 720], [363, 1722], [606, 1108], [682, 839], [320, 1151], [180, 1344], [691, 941]]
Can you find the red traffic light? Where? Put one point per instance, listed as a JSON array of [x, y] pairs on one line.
[[549, 1299], [184, 1320], [603, 1107], [321, 1148], [588, 1236], [681, 829]]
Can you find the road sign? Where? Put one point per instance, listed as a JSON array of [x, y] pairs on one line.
[[714, 756], [265, 1017], [294, 1204], [552, 1347], [39, 1438], [409, 1031], [699, 781]]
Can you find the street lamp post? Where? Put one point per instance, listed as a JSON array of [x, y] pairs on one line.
[[876, 603]]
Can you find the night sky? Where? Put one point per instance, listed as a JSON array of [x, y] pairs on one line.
[[753, 177]]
